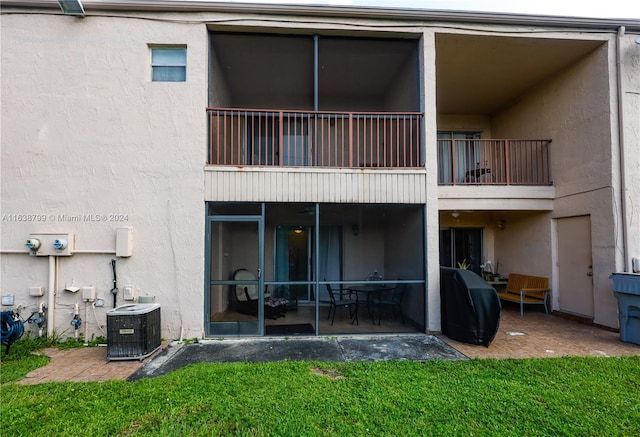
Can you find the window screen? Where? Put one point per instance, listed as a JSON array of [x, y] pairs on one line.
[[169, 64]]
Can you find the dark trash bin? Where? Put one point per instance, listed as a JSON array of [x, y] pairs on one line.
[[626, 288], [469, 307]]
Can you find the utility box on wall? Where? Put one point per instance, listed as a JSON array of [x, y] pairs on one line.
[[124, 242]]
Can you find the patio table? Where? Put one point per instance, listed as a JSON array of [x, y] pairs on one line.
[[370, 290]]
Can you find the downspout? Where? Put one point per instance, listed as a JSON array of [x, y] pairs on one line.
[[623, 184]]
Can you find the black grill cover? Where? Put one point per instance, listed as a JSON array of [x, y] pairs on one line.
[[469, 307]]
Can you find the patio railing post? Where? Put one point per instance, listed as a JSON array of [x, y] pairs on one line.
[[454, 160], [350, 139], [507, 160], [281, 137]]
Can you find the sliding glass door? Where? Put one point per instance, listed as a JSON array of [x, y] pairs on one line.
[[461, 245], [293, 260]]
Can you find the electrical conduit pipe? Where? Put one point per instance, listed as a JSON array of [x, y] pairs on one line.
[[51, 293]]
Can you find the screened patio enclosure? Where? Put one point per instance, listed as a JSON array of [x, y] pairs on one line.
[[262, 255]]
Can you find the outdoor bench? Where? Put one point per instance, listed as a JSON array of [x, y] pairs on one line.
[[525, 289]]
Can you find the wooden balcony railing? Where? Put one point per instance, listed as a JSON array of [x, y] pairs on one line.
[[493, 162], [320, 139]]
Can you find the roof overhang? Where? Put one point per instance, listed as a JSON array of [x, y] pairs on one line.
[[408, 14]]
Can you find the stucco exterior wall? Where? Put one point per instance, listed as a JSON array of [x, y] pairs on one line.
[[428, 60], [575, 110], [572, 109], [85, 131], [630, 65], [524, 246]]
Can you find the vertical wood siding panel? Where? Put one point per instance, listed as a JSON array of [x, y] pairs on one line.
[[349, 187], [337, 186], [405, 189], [274, 180], [326, 178], [281, 189], [263, 186], [319, 187], [246, 185], [213, 186], [362, 189], [304, 186], [226, 186], [395, 191], [345, 186], [238, 188], [310, 186]]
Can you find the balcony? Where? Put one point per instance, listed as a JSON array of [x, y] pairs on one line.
[[279, 138], [258, 137], [493, 162]]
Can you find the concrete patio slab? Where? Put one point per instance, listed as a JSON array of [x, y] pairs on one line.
[[418, 347]]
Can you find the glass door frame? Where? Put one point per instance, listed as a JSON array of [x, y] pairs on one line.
[[210, 327], [452, 234]]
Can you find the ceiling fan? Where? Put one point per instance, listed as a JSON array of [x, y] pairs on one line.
[[455, 213]]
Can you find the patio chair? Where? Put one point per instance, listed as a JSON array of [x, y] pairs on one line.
[[390, 299], [247, 298], [346, 301]]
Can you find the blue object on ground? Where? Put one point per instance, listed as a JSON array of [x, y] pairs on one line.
[[626, 288], [11, 328]]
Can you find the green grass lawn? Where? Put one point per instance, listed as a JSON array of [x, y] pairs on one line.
[[552, 396]]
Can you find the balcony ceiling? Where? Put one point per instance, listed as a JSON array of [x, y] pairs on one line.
[[475, 74], [482, 74], [274, 71]]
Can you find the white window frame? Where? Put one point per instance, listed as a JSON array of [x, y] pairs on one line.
[[155, 64]]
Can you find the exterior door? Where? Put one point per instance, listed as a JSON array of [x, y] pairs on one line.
[[234, 298], [293, 260], [575, 293], [461, 246]]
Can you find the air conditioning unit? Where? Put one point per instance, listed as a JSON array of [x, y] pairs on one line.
[[133, 331]]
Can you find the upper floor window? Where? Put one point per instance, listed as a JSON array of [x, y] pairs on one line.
[[168, 64]]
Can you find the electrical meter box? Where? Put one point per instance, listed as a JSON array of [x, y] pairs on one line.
[[51, 244]]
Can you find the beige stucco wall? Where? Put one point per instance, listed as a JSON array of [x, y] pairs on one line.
[[84, 131], [630, 64], [431, 163], [576, 110]]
